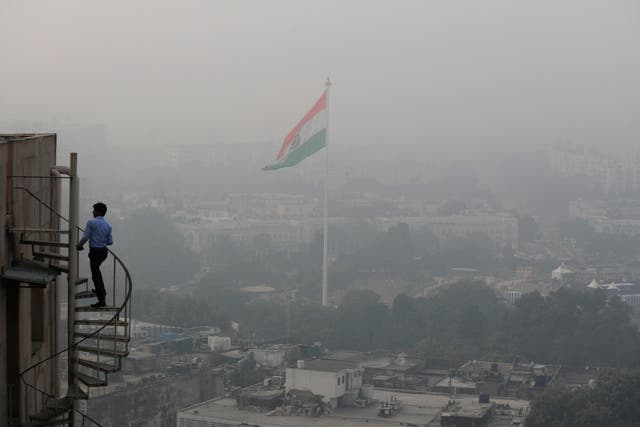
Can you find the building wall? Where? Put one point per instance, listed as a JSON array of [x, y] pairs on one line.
[[31, 155], [216, 343], [512, 296], [633, 300], [155, 402], [322, 383], [269, 357]]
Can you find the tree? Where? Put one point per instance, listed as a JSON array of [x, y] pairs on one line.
[[359, 320], [613, 402], [573, 327], [393, 250]]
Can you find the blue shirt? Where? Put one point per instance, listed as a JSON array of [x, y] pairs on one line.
[[98, 233]]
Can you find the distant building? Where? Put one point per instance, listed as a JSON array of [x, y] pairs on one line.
[[458, 415], [201, 234], [621, 217], [609, 175], [512, 296], [259, 408], [501, 228], [633, 300], [561, 273], [275, 355], [219, 344], [272, 206], [627, 292], [334, 380]]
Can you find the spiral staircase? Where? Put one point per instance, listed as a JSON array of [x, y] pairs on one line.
[[97, 338]]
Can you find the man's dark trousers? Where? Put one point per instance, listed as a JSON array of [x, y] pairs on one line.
[[96, 258]]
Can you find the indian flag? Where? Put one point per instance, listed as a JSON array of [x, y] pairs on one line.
[[309, 136]]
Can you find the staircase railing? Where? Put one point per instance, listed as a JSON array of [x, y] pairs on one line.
[[123, 311], [86, 420]]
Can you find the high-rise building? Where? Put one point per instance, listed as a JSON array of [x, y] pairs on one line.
[[49, 360]]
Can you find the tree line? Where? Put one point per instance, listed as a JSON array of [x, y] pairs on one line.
[[459, 321]]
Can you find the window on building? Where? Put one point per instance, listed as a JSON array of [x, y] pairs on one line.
[[338, 380], [37, 319]]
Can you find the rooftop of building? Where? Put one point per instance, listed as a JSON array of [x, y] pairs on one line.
[[274, 347], [459, 409], [456, 383], [4, 137], [258, 289], [346, 355], [418, 409], [381, 360], [328, 365], [234, 354]]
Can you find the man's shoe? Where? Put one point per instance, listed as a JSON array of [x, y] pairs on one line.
[[99, 304]]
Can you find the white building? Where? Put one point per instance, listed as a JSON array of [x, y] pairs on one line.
[[593, 285], [512, 296], [219, 344], [273, 356], [202, 233], [272, 206], [623, 219], [633, 300], [628, 227], [609, 174], [331, 379], [561, 273]]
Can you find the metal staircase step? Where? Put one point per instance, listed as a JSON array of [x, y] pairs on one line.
[[98, 366], [85, 294], [81, 281], [88, 308], [100, 322], [109, 352], [51, 255], [53, 408], [90, 381], [61, 268], [59, 402], [105, 337], [45, 414], [44, 243]]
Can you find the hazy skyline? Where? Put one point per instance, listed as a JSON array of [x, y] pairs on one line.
[[412, 73]]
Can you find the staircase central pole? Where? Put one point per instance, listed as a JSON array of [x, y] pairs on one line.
[[72, 277]]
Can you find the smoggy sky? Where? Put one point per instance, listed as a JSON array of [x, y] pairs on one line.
[[459, 74]]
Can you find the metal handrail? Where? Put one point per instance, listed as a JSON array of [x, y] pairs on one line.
[[126, 305], [84, 416]]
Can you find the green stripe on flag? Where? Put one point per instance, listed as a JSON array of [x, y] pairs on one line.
[[315, 143]]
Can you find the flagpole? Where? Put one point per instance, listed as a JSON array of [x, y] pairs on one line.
[[326, 192]]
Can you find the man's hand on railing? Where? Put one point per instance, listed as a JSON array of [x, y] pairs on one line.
[[79, 247]]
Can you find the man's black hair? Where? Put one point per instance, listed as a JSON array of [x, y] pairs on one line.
[[101, 208]]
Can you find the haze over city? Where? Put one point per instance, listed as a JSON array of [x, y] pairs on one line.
[[467, 253], [419, 74]]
